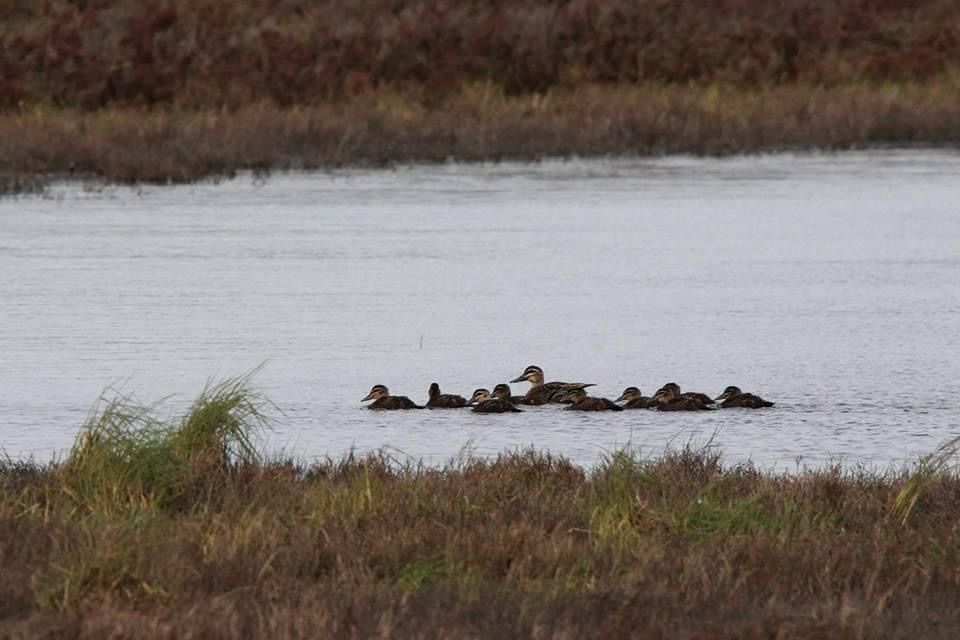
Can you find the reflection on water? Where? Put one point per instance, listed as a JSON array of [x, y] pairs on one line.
[[827, 283]]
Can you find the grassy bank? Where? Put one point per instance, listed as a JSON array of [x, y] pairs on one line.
[[173, 528], [480, 122]]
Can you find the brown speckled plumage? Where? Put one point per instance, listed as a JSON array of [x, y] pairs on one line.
[[580, 401], [635, 400], [549, 392], [382, 400], [444, 400], [732, 397]]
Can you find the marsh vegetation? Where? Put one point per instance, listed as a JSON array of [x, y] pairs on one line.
[[155, 527], [182, 91]]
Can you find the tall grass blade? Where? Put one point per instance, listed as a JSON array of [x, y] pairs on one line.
[[928, 470]]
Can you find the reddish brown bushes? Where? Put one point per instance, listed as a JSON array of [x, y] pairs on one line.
[[183, 90], [213, 54]]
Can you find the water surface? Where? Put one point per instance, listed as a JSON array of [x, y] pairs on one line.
[[827, 283]]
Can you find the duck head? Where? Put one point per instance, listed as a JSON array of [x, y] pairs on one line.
[[532, 374], [378, 391], [664, 395], [673, 387], [434, 390], [502, 392], [629, 394], [576, 395], [479, 396], [729, 392]]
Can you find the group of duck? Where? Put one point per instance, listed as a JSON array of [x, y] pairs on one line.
[[573, 394]]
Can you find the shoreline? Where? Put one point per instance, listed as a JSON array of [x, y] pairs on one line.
[[159, 528], [479, 124]]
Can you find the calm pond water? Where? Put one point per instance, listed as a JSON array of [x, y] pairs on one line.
[[827, 283]]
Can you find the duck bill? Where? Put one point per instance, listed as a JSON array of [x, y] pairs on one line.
[[621, 398], [368, 397], [520, 379], [721, 397]]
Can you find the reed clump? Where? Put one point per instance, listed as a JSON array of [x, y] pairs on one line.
[[172, 528]]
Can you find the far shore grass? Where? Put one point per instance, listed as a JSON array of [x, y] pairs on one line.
[[478, 123], [169, 528], [185, 90]]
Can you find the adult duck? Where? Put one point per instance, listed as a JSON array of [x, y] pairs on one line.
[[543, 393]]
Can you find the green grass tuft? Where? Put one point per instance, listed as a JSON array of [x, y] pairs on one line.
[[126, 457]]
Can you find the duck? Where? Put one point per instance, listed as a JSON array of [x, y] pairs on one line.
[[483, 403], [503, 392], [382, 400], [635, 400], [733, 397], [444, 400], [669, 400], [701, 397], [479, 395], [580, 401], [541, 393]]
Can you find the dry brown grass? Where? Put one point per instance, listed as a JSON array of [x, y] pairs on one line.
[[524, 545], [180, 91], [478, 123], [230, 53]]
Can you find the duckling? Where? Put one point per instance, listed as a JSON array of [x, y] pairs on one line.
[[479, 395], [540, 393], [504, 392], [635, 399], [483, 403], [701, 397], [669, 400], [444, 400], [383, 400], [580, 401], [733, 397]]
